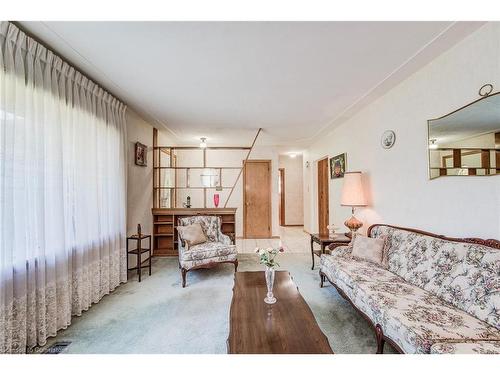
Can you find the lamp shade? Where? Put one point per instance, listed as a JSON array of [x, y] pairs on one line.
[[352, 191]]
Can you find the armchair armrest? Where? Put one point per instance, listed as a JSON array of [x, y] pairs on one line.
[[183, 245], [225, 239]]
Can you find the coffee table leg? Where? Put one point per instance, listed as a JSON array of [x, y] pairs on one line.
[[312, 252]]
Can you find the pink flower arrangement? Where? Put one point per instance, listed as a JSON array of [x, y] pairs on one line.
[[268, 256]]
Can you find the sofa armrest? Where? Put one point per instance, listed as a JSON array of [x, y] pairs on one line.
[[341, 251]]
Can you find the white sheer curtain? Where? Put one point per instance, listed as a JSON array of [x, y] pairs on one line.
[[62, 192]]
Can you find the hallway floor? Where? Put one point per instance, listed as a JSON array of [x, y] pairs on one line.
[[294, 240]]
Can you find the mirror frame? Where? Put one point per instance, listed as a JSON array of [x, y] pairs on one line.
[[482, 97]]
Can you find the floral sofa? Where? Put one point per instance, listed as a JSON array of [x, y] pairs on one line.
[[218, 249], [431, 294]]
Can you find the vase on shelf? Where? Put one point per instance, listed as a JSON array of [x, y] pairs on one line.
[[216, 200], [270, 299]]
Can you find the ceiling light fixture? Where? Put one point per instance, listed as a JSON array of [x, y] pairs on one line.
[[433, 145], [203, 143]]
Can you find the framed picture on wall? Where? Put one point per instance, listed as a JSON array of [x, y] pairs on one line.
[[141, 153], [338, 166]]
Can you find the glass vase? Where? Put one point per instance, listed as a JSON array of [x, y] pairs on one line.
[[270, 299]]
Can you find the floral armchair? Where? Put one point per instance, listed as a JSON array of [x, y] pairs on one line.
[[219, 247]]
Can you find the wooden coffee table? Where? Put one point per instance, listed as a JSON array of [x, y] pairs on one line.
[[287, 327]]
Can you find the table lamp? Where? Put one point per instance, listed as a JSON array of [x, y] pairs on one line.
[[353, 196]]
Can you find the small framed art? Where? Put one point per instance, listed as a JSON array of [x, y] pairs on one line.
[[141, 152], [338, 166]]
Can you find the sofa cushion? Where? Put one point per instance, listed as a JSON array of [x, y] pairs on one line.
[[465, 275], [369, 249], [352, 271], [192, 234], [414, 318], [210, 225], [476, 347], [208, 250]]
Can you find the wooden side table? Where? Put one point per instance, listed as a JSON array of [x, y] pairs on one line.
[[323, 240], [138, 251]]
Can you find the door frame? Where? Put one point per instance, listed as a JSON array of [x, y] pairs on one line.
[[268, 162], [282, 200], [327, 190]]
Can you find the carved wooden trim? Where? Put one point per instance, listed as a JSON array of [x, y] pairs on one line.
[[495, 244], [379, 334]]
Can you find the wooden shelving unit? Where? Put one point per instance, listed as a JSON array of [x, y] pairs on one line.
[[165, 221]]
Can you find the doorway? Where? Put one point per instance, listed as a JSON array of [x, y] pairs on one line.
[[323, 200], [257, 199], [281, 178]]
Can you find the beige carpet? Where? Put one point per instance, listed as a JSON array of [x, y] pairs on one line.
[[158, 316]]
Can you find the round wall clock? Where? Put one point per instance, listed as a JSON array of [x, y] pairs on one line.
[[388, 139]]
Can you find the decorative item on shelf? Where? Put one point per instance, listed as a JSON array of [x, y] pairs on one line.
[[268, 258], [432, 144], [331, 230], [203, 143], [216, 200], [388, 139], [188, 202], [353, 196], [338, 166], [139, 230], [141, 152]]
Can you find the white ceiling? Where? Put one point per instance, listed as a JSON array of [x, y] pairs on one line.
[[223, 80]]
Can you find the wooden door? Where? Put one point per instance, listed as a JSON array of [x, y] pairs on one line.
[[282, 196], [257, 199], [323, 211]]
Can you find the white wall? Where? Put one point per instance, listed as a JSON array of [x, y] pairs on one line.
[[396, 180], [140, 179], [294, 201]]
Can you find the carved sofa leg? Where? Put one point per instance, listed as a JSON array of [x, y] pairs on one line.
[[183, 273], [236, 265], [380, 339], [322, 278]]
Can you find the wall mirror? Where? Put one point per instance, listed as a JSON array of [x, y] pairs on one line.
[[466, 142]]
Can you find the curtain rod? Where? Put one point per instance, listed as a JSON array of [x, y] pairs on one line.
[[67, 61]]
